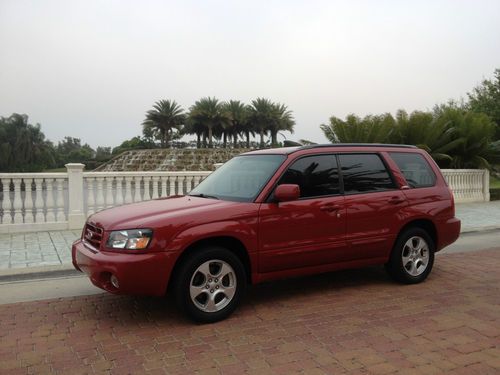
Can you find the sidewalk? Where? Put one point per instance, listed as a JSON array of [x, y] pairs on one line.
[[49, 251]]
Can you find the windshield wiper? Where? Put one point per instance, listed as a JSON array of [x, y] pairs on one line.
[[201, 195]]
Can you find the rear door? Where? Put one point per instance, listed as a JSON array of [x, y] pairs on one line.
[[311, 230], [373, 205]]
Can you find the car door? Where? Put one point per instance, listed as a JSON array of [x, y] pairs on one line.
[[311, 230], [373, 205]]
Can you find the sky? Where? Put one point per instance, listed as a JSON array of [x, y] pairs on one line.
[[91, 69]]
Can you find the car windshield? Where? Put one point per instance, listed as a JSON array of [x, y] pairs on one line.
[[240, 179]]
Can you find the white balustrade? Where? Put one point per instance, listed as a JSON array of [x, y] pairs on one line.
[[47, 211], [468, 185]]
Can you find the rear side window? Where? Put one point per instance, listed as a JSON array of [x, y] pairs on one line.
[[417, 172], [364, 173], [316, 176]]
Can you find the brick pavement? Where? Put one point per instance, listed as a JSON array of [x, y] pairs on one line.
[[351, 321]]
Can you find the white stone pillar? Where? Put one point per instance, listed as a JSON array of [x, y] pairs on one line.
[[486, 185], [76, 215], [7, 218]]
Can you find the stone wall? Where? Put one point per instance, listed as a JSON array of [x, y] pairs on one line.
[[169, 160]]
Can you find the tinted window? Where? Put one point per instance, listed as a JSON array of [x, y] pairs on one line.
[[415, 168], [316, 176], [364, 172]]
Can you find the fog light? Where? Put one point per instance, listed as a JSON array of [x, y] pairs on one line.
[[114, 281]]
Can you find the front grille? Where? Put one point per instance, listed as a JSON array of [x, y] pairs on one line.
[[93, 235]]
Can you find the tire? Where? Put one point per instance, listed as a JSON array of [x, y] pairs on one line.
[[412, 257], [209, 284]]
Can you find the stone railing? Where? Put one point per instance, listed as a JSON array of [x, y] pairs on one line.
[[53, 201], [468, 185]]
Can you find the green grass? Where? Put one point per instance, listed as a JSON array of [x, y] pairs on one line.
[[494, 182]]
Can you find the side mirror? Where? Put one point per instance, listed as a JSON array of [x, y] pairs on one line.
[[287, 192]]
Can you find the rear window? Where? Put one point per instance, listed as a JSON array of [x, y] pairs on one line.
[[364, 173], [417, 171]]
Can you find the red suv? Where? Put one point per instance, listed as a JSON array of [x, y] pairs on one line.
[[272, 214]]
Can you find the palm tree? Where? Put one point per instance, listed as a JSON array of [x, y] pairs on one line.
[[262, 114], [473, 135], [209, 113], [165, 117], [371, 129], [283, 121], [238, 116], [427, 131]]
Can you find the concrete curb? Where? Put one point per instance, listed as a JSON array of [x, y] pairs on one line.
[[42, 272], [480, 229]]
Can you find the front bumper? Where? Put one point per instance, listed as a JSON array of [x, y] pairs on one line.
[[137, 274]]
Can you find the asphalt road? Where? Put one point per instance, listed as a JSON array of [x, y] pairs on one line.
[[48, 288]]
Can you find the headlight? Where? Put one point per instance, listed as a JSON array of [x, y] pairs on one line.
[[135, 239]]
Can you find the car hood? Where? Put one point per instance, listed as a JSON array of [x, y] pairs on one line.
[[153, 212]]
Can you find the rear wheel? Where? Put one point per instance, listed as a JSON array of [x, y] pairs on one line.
[[412, 257], [210, 284]]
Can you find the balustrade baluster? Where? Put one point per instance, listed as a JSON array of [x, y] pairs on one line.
[[171, 185], [196, 181], [28, 201], [119, 191], [39, 216], [6, 204], [155, 180], [90, 196], [137, 190], [18, 202], [49, 200], [128, 189], [60, 212], [180, 185], [164, 186], [110, 201], [100, 193]]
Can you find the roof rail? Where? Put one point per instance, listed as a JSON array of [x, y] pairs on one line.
[[356, 145]]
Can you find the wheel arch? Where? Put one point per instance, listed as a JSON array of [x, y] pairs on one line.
[[425, 224], [230, 243]]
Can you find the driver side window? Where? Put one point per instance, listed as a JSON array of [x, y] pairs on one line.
[[316, 176]]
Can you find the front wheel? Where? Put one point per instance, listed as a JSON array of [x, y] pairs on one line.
[[210, 284], [412, 257]]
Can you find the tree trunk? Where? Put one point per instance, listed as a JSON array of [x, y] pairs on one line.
[[204, 139], [248, 139], [198, 140], [261, 138], [210, 143], [274, 140], [225, 139], [162, 138], [235, 140]]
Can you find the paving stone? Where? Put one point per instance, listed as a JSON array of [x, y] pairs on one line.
[[344, 322]]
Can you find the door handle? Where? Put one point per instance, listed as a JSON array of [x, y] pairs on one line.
[[330, 207], [396, 200]]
